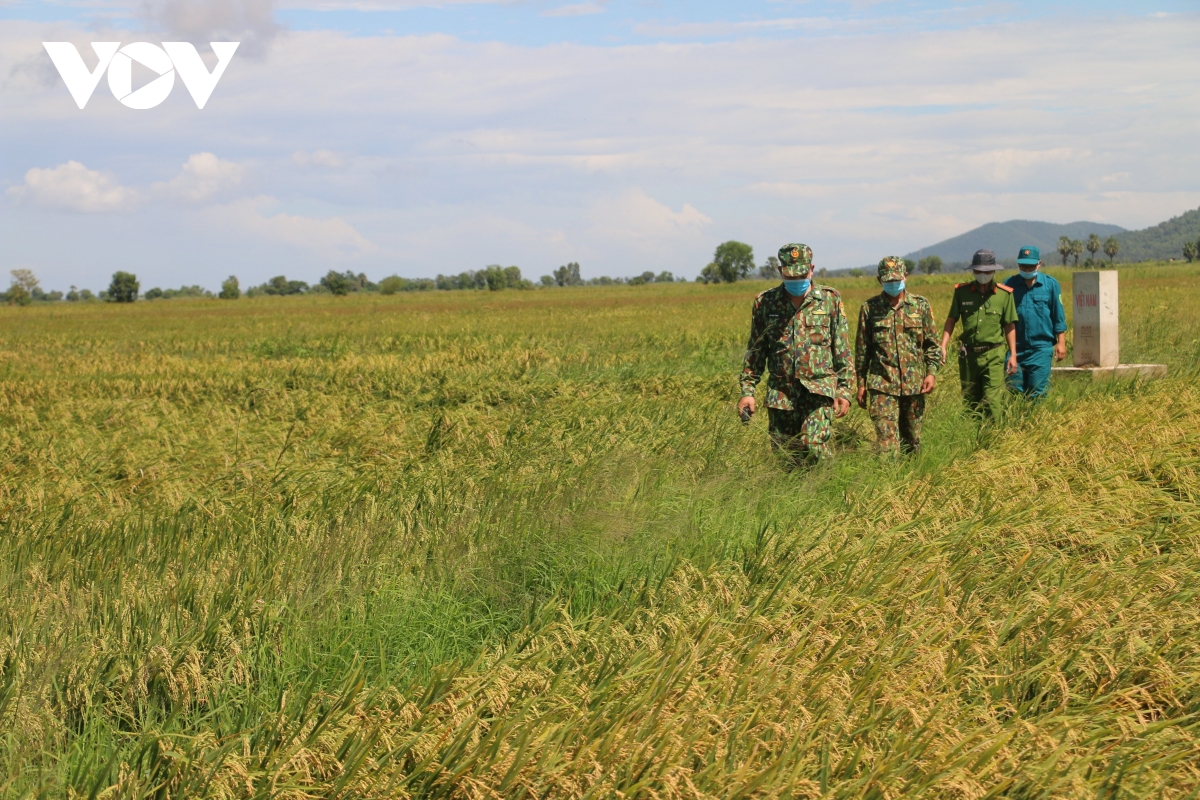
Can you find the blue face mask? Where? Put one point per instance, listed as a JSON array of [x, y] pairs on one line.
[[1028, 275], [893, 288], [797, 287]]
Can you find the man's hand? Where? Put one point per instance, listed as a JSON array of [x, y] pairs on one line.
[[1060, 351], [745, 407], [927, 384], [841, 407], [1010, 368], [862, 397]]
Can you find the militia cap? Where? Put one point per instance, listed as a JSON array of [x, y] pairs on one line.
[[795, 260], [1029, 255], [892, 268], [984, 261]]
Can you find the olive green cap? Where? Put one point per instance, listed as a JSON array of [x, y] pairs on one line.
[[795, 260], [892, 268]]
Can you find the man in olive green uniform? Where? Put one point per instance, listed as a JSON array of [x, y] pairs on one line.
[[989, 316], [896, 357], [799, 336]]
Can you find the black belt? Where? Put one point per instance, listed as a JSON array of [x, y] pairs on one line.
[[982, 348]]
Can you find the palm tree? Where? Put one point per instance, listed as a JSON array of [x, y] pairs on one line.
[[1189, 251], [1064, 248], [1076, 250], [1093, 245], [1111, 248]]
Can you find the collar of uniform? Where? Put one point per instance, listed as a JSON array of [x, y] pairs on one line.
[[907, 300]]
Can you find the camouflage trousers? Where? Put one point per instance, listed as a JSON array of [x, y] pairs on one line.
[[897, 421], [805, 431]]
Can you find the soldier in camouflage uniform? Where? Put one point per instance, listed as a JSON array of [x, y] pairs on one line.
[[799, 336], [896, 356]]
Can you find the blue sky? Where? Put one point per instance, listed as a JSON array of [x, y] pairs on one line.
[[390, 136]]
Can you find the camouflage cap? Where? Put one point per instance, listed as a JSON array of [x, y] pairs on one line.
[[892, 268], [795, 260]]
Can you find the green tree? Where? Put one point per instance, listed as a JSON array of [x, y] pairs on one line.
[[512, 276], [548, 281], [154, 294], [24, 287], [495, 277], [391, 284], [1064, 248], [568, 275], [1189, 251], [769, 270], [710, 274], [1093, 246], [930, 264], [856, 273], [1111, 248], [124, 287], [665, 277], [280, 285], [1076, 250], [733, 260], [337, 283], [230, 288]]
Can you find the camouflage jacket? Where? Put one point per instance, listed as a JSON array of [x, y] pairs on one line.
[[805, 348], [896, 347]]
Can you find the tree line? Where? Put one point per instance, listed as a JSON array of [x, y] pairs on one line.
[[732, 261], [1068, 248], [126, 288]]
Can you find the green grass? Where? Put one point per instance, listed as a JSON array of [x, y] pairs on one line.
[[517, 544]]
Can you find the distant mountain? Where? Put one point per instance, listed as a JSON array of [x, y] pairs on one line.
[[1006, 238], [1161, 242]]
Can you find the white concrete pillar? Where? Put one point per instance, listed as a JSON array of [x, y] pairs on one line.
[[1097, 341]]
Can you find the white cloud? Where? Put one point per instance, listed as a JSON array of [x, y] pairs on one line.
[[574, 10], [203, 177], [73, 187], [332, 236], [319, 158], [691, 30], [381, 5], [634, 215], [251, 22]]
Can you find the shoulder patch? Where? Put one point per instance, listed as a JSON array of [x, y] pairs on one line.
[[1005, 287], [960, 285]]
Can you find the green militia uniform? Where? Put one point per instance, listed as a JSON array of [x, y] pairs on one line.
[[806, 353], [984, 312], [894, 350]]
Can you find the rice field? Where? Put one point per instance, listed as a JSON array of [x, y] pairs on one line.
[[517, 544]]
